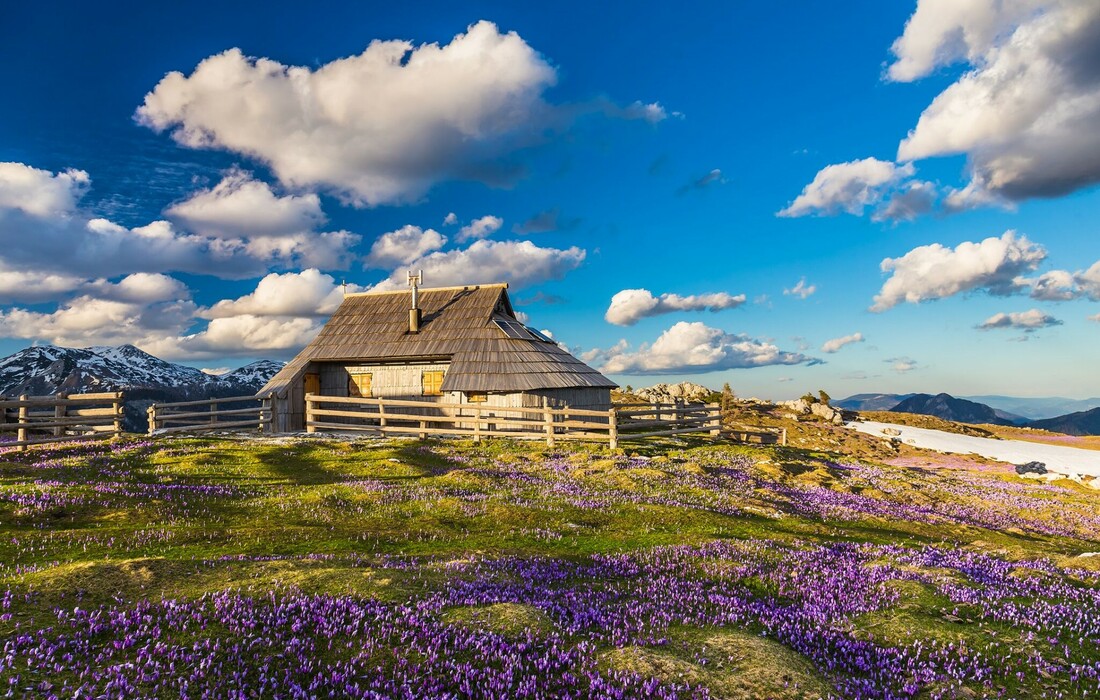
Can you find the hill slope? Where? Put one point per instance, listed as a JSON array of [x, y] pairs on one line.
[[1080, 423], [948, 407]]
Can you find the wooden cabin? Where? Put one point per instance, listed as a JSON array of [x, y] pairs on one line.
[[452, 345]]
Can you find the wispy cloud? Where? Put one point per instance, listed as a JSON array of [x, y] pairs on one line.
[[834, 345], [801, 290]]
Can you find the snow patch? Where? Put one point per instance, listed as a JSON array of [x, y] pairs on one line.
[[1066, 461]]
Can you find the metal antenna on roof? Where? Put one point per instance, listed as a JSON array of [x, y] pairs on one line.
[[415, 281], [414, 313], [344, 283]]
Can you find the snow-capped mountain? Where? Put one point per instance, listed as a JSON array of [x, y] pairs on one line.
[[48, 369], [254, 374]]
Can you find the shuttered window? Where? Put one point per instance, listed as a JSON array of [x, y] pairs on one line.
[[477, 396], [360, 384], [432, 382]]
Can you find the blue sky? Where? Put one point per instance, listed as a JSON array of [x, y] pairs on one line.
[[673, 157]]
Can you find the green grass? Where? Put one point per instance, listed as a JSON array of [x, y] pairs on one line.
[[118, 528]]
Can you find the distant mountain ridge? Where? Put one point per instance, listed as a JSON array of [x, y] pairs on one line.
[[1037, 408], [964, 410], [948, 407], [870, 402], [1080, 423], [49, 369], [1025, 408]]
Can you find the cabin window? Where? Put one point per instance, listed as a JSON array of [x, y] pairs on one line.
[[359, 384], [477, 396], [432, 382], [312, 383]]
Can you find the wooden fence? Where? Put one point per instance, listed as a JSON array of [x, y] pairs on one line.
[[187, 417], [421, 419], [763, 436], [39, 420]]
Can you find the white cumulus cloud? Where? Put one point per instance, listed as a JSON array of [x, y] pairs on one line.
[[134, 310], [834, 345], [1024, 113], [479, 228], [242, 207], [632, 305], [935, 271], [403, 246], [520, 263], [307, 293], [1026, 321], [850, 187], [1063, 285], [695, 348], [380, 127], [41, 193], [58, 238], [245, 335]]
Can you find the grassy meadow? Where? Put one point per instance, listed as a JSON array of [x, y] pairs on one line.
[[295, 568]]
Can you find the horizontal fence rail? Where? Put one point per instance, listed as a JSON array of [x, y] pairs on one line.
[[41, 420], [210, 414], [422, 418], [762, 435]]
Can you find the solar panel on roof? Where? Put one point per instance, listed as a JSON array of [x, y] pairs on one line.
[[539, 335], [513, 329]]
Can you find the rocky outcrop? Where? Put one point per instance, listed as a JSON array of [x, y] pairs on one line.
[[1031, 468], [684, 392], [802, 407]]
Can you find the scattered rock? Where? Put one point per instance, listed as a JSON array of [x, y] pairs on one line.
[[802, 407], [891, 431], [684, 392], [1031, 468]]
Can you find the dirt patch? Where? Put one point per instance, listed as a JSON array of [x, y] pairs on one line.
[[732, 666], [504, 618]]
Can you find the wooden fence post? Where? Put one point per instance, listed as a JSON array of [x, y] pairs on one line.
[[151, 412], [309, 414], [477, 424], [715, 417], [117, 406], [21, 433], [381, 416], [423, 426], [59, 411], [213, 412], [613, 428], [548, 421], [265, 415], [783, 438]]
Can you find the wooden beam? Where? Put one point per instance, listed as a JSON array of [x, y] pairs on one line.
[[21, 435], [206, 427], [206, 414]]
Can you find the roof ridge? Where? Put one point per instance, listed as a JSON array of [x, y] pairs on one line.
[[459, 288]]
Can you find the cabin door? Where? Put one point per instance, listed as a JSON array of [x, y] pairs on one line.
[[312, 383]]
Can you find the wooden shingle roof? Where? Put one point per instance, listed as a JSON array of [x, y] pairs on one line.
[[457, 324]]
